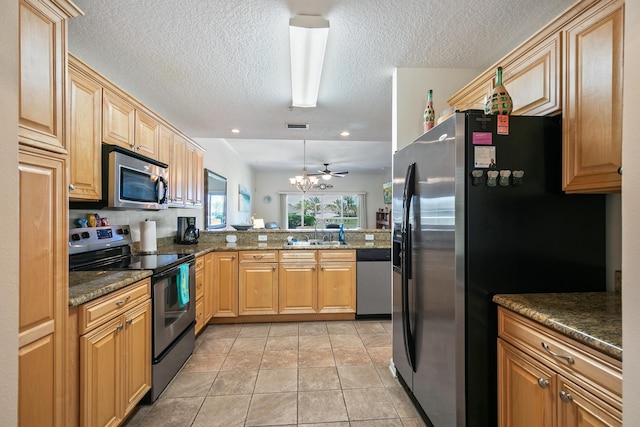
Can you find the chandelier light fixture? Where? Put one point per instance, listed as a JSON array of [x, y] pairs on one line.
[[307, 41], [304, 182]]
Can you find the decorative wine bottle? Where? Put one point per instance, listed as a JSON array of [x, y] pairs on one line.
[[499, 102], [429, 112]]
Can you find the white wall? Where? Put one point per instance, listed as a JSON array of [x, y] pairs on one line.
[[221, 158], [9, 224], [410, 86], [273, 183], [630, 217]]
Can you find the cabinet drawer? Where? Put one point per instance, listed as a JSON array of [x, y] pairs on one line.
[[94, 313], [336, 255], [293, 255], [199, 283], [199, 263], [259, 256], [588, 366]]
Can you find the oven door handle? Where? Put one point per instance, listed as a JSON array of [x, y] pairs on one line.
[[171, 272]]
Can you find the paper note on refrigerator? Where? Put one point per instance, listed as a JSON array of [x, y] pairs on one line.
[[484, 157]]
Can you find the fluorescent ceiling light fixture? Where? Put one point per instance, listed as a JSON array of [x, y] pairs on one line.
[[345, 133], [307, 41]]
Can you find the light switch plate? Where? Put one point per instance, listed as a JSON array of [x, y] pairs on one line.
[[262, 237], [368, 237]]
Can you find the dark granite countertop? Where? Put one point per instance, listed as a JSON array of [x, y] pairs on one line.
[[85, 286], [591, 318]]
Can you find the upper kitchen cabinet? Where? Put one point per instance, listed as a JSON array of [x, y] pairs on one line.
[[172, 152], [195, 175], [128, 127], [42, 72], [85, 120], [592, 107]]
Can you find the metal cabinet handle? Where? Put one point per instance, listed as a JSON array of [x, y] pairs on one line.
[[273, 268], [322, 267], [72, 187], [313, 268], [129, 321], [569, 359], [233, 257], [565, 397], [124, 301], [119, 327], [543, 383], [620, 170], [257, 257]]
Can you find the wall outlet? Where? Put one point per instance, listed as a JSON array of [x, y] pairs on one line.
[[262, 245], [368, 237], [262, 237]]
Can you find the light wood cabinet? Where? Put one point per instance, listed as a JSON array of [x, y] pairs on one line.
[[147, 135], [298, 282], [172, 152], [43, 290], [118, 120], [258, 283], [194, 175], [208, 287], [85, 136], [200, 284], [567, 385], [592, 108], [42, 72], [225, 284], [115, 354], [336, 281]]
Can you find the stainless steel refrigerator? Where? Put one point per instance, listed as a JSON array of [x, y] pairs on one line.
[[478, 210]]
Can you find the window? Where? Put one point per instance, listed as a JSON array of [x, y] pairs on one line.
[[324, 210]]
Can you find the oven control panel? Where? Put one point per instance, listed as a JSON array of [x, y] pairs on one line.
[[95, 238]]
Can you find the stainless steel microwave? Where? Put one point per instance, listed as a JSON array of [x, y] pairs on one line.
[[133, 181]]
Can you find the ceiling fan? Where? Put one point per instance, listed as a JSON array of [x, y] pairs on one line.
[[327, 174]]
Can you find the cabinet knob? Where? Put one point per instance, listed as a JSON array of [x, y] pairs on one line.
[[543, 383], [122, 301], [119, 327], [129, 321], [565, 397], [620, 170], [72, 187]]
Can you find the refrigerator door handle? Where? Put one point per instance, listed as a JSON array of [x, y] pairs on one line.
[[407, 195]]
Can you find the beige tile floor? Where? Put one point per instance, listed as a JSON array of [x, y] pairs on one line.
[[311, 374]]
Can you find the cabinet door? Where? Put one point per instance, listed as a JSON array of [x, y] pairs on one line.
[[533, 80], [525, 390], [208, 287], [42, 41], [592, 111], [43, 300], [298, 288], [177, 184], [258, 288], [118, 121], [85, 167], [137, 355], [225, 284], [577, 408], [198, 178], [337, 287], [147, 135], [101, 375]]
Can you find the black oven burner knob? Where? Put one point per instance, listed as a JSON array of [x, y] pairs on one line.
[[125, 231], [85, 235], [119, 231], [75, 237]]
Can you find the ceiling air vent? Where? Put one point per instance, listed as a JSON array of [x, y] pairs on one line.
[[298, 126]]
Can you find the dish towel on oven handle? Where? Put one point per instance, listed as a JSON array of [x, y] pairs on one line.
[[183, 285]]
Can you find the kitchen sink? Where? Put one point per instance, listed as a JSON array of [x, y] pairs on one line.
[[313, 243]]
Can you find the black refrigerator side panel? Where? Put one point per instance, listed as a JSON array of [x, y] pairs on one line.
[[527, 237]]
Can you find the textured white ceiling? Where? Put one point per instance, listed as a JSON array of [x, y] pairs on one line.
[[212, 65]]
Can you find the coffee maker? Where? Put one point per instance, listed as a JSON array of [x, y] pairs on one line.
[[187, 233]]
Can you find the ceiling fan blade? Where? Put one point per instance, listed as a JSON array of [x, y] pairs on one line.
[[339, 174]]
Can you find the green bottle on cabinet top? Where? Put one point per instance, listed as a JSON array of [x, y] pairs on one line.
[[499, 101], [429, 113]]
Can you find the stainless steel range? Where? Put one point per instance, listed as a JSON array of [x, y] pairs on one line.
[[109, 248]]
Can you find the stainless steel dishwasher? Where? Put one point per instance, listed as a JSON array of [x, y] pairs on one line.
[[373, 283]]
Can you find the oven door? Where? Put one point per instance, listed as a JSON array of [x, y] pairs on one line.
[[169, 318]]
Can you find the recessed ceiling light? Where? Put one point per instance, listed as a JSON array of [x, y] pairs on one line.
[[235, 130], [345, 133]]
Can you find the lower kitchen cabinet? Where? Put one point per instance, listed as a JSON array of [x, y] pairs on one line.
[[225, 284], [115, 354], [258, 283], [575, 387], [337, 281], [298, 285], [200, 294]]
